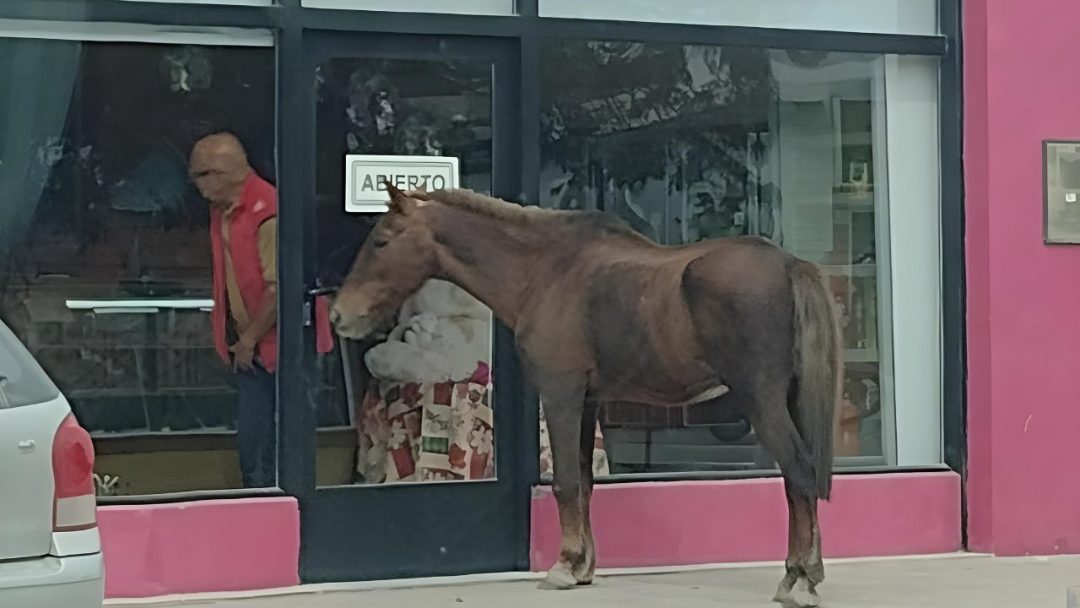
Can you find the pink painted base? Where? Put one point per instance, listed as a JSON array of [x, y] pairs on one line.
[[248, 544], [681, 523], [195, 547]]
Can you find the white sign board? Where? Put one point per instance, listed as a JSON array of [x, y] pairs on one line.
[[366, 176]]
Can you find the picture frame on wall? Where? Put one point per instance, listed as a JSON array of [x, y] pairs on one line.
[[1061, 192]]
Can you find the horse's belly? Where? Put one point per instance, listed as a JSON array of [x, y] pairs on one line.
[[668, 376]]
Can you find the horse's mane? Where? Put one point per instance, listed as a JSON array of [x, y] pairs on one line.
[[480, 204], [474, 202]]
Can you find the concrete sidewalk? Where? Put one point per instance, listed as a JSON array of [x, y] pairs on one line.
[[955, 582]]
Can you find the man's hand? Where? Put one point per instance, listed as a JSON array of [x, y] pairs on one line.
[[243, 354]]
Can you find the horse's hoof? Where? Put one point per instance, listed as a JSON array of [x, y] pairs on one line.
[[584, 575], [805, 595], [558, 579], [783, 592], [783, 596], [805, 600]]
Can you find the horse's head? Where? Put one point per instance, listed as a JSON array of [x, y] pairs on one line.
[[395, 260]]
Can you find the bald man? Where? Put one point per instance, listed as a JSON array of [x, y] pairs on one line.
[[243, 237]]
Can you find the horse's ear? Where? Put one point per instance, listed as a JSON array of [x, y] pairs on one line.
[[399, 201], [421, 193]]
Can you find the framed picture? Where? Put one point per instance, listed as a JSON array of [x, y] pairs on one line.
[[1061, 192]]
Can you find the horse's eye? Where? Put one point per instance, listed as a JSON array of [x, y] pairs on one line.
[[380, 243]]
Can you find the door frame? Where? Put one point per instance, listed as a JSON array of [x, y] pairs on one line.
[[337, 542]]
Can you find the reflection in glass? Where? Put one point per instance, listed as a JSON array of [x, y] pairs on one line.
[[694, 142], [878, 16], [104, 241], [420, 402], [464, 7], [1062, 191]]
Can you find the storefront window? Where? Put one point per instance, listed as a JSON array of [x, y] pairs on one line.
[[693, 142], [105, 249]]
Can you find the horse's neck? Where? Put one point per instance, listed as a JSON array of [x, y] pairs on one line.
[[482, 256]]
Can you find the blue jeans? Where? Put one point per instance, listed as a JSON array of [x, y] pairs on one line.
[[256, 426]]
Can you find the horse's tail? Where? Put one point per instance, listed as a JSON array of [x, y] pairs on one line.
[[818, 368]]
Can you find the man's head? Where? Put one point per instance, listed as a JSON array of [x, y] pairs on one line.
[[219, 166]]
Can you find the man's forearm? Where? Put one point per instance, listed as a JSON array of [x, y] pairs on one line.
[[264, 319]]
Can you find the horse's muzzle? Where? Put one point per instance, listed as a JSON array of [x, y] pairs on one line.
[[354, 327]]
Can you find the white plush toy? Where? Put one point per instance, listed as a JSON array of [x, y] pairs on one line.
[[421, 330], [443, 334], [402, 362]]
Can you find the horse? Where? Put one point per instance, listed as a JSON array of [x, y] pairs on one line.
[[602, 314]]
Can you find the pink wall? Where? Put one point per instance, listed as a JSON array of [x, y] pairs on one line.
[[1020, 87], [195, 547], [678, 523], [247, 544]]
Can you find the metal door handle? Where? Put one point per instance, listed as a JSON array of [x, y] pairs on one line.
[[318, 291]]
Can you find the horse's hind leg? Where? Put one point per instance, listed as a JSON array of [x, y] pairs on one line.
[[584, 574], [804, 550], [563, 405], [778, 434]]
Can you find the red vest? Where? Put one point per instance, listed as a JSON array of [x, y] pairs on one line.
[[258, 203]]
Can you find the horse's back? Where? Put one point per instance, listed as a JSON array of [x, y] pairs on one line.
[[657, 285], [737, 265]]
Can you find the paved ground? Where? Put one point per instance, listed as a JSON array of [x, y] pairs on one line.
[[960, 582]]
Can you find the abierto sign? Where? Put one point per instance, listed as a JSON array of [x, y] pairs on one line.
[[366, 176]]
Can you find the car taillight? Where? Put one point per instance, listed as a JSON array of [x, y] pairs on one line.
[[74, 502]]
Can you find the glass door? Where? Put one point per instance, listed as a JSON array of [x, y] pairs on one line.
[[416, 472]]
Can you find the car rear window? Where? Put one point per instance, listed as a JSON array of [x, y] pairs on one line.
[[22, 381]]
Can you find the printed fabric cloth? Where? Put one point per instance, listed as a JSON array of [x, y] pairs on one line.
[[438, 431], [427, 431]]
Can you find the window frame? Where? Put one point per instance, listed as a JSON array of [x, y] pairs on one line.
[[289, 21]]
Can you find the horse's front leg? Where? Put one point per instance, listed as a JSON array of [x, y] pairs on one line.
[[563, 409]]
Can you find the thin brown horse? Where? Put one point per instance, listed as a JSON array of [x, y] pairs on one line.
[[601, 314]]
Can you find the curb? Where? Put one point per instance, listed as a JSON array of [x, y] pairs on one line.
[[497, 577]]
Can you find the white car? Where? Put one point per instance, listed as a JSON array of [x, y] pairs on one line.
[[50, 549]]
